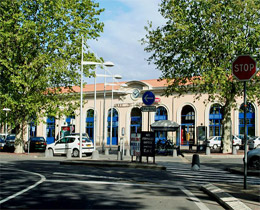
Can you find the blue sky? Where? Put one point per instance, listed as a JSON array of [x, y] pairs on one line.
[[120, 42]]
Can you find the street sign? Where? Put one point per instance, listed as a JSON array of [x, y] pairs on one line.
[[148, 108], [244, 67], [148, 144], [148, 98]]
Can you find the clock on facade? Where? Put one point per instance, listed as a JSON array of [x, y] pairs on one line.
[[135, 94]]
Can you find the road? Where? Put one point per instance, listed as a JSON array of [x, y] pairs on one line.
[[45, 184]]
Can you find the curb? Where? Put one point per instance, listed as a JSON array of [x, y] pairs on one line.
[[225, 199], [237, 170], [105, 163]]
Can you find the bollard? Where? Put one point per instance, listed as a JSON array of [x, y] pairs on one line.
[[47, 154], [50, 152], [207, 150], [234, 150], [106, 151], [195, 162], [118, 153], [174, 154], [95, 155], [68, 154], [127, 154]]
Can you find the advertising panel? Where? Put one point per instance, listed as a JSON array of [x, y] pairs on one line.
[[135, 144]]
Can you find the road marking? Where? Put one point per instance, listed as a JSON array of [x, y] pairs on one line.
[[201, 205], [26, 189], [89, 176]]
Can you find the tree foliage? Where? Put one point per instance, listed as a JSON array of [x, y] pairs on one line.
[[195, 48], [40, 51]]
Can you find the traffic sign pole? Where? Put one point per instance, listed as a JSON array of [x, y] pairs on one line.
[[245, 139], [244, 68]]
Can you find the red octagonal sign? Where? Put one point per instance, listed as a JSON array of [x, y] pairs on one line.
[[244, 67]]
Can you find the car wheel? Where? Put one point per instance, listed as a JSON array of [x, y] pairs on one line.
[[51, 152], [75, 153], [215, 146], [254, 163]]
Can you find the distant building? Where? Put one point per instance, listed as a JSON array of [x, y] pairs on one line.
[[128, 118]]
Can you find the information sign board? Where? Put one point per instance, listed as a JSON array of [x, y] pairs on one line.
[[148, 108], [147, 144]]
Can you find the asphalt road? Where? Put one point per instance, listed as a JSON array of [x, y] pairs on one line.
[[33, 183]]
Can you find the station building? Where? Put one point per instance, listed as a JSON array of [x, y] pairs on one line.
[[128, 119]]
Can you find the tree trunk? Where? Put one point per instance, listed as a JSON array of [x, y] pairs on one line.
[[19, 141], [227, 126]]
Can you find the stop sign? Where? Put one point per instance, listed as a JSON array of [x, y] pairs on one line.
[[244, 67]]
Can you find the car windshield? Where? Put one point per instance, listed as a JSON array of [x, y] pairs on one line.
[[2, 140], [37, 139], [10, 138], [212, 137]]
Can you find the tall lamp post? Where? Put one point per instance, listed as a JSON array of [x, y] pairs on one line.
[[108, 64], [104, 104], [112, 106], [6, 110]]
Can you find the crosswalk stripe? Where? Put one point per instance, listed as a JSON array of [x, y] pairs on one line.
[[208, 174]]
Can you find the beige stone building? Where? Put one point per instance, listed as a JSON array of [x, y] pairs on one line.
[[128, 118]]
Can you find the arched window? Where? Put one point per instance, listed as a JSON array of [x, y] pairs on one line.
[[136, 121], [90, 123], [161, 114], [250, 119], [187, 125], [114, 127], [215, 120], [33, 127], [50, 130]]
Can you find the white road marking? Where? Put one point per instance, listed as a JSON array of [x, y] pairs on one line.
[[201, 205], [89, 176], [26, 189]]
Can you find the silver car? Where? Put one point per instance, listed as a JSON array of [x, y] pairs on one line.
[[253, 159]]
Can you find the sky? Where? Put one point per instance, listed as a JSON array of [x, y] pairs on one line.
[[120, 43]]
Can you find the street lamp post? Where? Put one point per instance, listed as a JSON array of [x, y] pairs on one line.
[[6, 110], [112, 106], [104, 106], [108, 64]]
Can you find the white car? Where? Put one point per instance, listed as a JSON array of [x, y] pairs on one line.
[[254, 143], [71, 143], [214, 142], [237, 142]]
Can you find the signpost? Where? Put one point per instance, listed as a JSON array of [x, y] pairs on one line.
[[148, 99], [148, 108], [148, 145], [244, 68]]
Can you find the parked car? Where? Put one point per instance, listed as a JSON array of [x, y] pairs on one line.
[[254, 143], [237, 142], [2, 144], [214, 142], [253, 159], [36, 144], [9, 142], [71, 142], [3, 135]]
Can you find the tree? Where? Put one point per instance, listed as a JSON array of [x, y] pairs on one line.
[[196, 46], [40, 52]]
